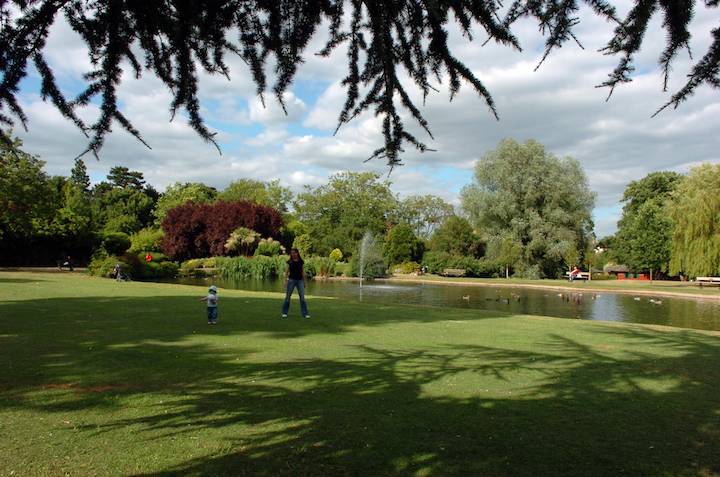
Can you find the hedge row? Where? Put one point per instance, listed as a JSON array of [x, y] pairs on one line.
[[132, 265], [261, 267], [436, 262]]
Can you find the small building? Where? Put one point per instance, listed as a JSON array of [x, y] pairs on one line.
[[622, 272]]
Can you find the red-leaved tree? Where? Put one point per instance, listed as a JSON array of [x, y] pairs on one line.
[[201, 230]]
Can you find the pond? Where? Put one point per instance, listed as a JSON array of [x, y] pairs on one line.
[[603, 306]]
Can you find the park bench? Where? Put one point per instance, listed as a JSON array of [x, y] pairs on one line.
[[708, 281], [454, 272], [580, 276]]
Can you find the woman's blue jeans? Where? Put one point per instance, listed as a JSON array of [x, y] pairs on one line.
[[291, 284]]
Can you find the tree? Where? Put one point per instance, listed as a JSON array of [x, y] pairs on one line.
[[695, 212], [455, 237], [338, 213], [279, 197], [245, 189], [74, 220], [304, 244], [424, 213], [123, 210], [652, 228], [650, 240], [25, 193], [173, 40], [79, 176], [401, 245], [270, 193], [40, 216], [146, 240], [542, 202], [657, 186], [506, 251], [124, 178], [201, 230], [178, 194]]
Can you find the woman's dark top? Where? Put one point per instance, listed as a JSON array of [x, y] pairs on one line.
[[296, 269]]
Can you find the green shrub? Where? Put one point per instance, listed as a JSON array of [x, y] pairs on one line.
[[210, 262], [260, 267], [319, 266], [485, 268], [146, 240], [242, 241], [528, 272], [343, 269], [304, 244], [133, 266], [104, 266], [401, 245], [192, 264], [407, 267], [157, 257], [116, 243], [198, 267], [336, 255], [137, 265], [263, 267], [167, 269], [436, 262], [269, 248], [238, 268], [159, 270], [375, 266]]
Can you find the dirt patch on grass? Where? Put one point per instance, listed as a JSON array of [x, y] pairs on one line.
[[102, 388]]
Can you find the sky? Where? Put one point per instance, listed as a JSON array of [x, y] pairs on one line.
[[616, 141]]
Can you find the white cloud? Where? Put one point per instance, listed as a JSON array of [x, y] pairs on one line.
[[558, 105], [272, 112]]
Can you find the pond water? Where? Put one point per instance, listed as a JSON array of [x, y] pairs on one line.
[[603, 306]]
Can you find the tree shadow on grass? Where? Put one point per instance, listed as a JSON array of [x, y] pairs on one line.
[[110, 339], [612, 401], [374, 415]]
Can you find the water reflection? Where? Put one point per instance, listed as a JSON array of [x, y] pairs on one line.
[[678, 312]]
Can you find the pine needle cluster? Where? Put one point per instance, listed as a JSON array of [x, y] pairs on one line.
[[176, 40]]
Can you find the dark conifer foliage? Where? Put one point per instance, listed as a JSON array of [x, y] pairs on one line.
[[79, 176], [176, 39]]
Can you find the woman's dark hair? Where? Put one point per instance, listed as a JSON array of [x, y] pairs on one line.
[[296, 251]]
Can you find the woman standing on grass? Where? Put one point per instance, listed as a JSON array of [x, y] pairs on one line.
[[295, 277]]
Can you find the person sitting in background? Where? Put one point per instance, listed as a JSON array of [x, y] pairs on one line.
[[66, 262], [575, 273]]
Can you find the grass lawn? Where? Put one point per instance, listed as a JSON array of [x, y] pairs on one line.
[[106, 378]]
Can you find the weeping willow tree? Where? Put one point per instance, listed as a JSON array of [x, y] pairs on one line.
[[696, 215], [177, 39]]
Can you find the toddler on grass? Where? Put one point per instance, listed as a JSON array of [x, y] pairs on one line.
[[212, 304]]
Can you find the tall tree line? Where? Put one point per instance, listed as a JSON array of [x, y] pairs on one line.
[[671, 224]]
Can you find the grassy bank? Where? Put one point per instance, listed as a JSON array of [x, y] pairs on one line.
[[106, 378], [656, 287]]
